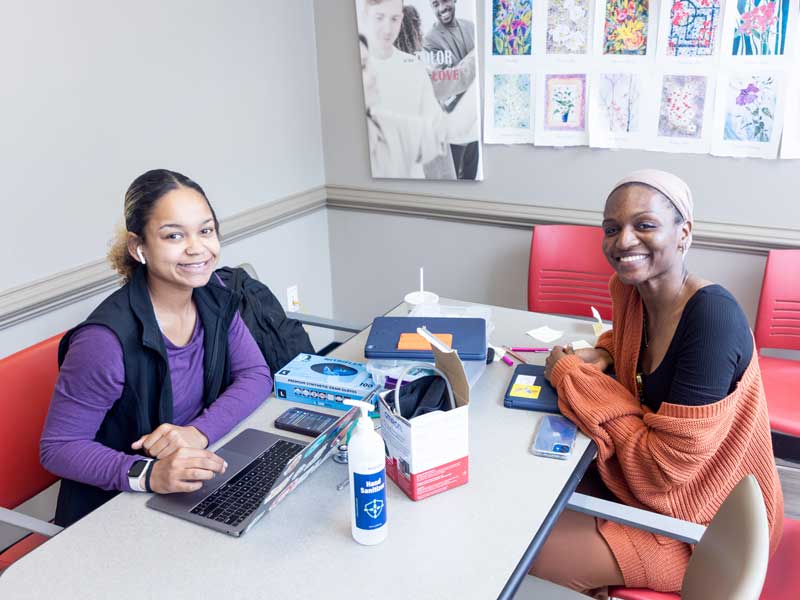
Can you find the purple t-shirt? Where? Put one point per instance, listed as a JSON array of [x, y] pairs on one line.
[[91, 381]]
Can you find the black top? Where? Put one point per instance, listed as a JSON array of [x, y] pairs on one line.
[[707, 356]]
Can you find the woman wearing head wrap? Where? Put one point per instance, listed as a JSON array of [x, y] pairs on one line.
[[684, 420]]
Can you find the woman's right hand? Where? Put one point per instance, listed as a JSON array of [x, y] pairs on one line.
[[185, 470], [595, 356]]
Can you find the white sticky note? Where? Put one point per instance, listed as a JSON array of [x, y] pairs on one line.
[[581, 345], [525, 380], [499, 353], [598, 322], [545, 334]]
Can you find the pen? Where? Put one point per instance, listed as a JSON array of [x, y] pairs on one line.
[[517, 356], [522, 349]]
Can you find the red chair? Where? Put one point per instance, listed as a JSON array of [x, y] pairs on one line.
[[783, 573], [568, 272], [27, 380], [778, 326]]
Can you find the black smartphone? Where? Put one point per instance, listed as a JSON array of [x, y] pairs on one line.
[[304, 421]]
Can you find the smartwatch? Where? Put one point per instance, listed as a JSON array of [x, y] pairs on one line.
[[135, 474]]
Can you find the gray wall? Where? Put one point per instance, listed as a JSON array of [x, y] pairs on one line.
[[489, 263], [480, 263], [277, 257], [97, 92]]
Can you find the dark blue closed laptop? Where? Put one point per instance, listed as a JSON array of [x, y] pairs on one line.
[[469, 337]]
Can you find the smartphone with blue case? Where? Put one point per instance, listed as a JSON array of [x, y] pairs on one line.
[[555, 437]]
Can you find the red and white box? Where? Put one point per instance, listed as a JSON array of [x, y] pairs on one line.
[[430, 453]]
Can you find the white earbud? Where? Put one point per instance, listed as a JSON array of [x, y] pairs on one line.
[[140, 255]]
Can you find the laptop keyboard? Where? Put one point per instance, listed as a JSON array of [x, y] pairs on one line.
[[238, 498]]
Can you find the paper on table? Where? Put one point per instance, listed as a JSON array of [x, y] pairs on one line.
[[545, 334], [581, 345]]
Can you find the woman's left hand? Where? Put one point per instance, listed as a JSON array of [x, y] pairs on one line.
[[556, 355], [167, 438]]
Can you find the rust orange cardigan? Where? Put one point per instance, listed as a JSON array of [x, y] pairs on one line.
[[681, 461]]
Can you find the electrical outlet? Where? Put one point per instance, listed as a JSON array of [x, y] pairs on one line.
[[292, 299]]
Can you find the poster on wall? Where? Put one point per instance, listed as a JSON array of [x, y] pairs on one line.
[[690, 30], [685, 104], [420, 80], [508, 118], [509, 83], [620, 104], [790, 142], [568, 27], [759, 31], [625, 28], [561, 109], [749, 114]]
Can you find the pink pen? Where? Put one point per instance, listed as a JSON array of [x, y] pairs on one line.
[[520, 349], [507, 360]]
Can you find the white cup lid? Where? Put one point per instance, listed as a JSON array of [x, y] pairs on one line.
[[421, 297]]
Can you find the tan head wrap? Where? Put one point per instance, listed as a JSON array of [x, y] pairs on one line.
[[672, 186]]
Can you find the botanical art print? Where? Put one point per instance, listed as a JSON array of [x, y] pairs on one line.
[[619, 95], [565, 102], [693, 27], [511, 26], [760, 27], [512, 100], [626, 27], [567, 26], [750, 109], [683, 99]]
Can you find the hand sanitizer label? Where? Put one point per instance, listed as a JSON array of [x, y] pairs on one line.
[[370, 499]]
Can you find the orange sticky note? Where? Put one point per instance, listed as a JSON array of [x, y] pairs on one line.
[[414, 341]]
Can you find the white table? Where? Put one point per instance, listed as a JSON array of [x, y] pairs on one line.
[[474, 541]]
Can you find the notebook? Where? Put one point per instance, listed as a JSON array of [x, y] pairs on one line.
[[263, 468], [529, 390], [387, 337]]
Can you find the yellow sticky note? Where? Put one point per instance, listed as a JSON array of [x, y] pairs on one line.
[[520, 390]]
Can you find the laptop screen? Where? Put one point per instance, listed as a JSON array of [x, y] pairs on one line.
[[312, 456]]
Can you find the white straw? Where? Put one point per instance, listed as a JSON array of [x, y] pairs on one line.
[[421, 288]]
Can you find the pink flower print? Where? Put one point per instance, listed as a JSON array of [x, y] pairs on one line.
[[746, 28], [766, 16], [760, 19], [704, 34], [748, 95]]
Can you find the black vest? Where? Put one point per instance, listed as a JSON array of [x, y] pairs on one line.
[[146, 400]]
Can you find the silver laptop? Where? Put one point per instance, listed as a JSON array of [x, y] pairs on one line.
[[263, 468]]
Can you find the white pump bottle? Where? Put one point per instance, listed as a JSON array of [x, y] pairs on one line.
[[367, 466]]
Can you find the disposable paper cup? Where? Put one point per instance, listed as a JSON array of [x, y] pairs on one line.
[[413, 299]]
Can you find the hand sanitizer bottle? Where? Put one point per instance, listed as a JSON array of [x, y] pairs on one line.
[[367, 465]]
